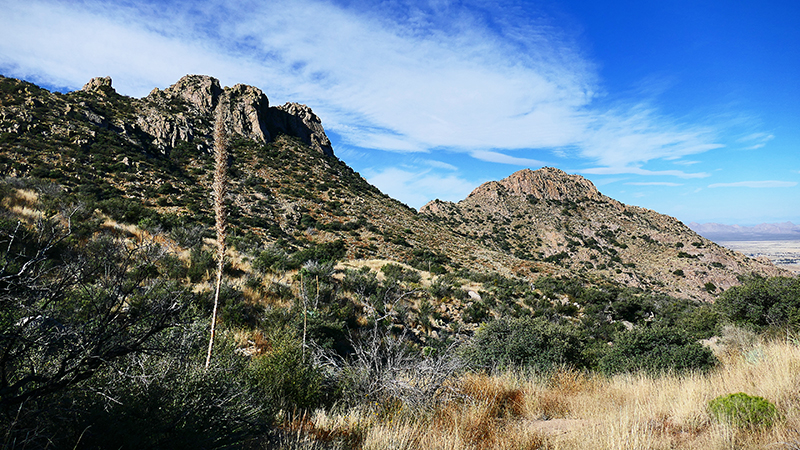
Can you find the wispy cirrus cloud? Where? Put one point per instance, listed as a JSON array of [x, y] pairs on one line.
[[640, 171], [402, 80], [497, 157], [654, 183], [756, 140], [756, 184]]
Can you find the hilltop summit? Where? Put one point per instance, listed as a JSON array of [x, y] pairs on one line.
[[547, 183], [551, 216]]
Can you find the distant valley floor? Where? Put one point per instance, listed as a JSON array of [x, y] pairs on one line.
[[783, 253]]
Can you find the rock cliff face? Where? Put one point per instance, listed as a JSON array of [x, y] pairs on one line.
[[184, 112], [549, 216], [547, 183]]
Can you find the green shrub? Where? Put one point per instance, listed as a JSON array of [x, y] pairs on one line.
[[362, 282], [201, 264], [525, 343], [655, 350], [761, 303], [324, 252], [447, 285], [285, 378], [743, 411]]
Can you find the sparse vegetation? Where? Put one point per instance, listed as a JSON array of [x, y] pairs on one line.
[[346, 319]]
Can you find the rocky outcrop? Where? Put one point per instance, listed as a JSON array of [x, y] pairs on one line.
[[100, 85], [547, 215], [200, 91], [186, 109], [246, 112], [298, 120]]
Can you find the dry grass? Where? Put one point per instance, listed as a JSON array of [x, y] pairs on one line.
[[574, 410]]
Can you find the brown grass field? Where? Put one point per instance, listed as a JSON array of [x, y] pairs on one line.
[[576, 410]]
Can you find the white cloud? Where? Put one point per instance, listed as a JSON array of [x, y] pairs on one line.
[[654, 183], [640, 171], [440, 164], [400, 82], [638, 134], [417, 188], [497, 157], [756, 184]]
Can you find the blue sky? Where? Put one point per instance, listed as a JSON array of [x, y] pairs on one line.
[[688, 108]]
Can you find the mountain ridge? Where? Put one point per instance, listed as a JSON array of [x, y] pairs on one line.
[[147, 161], [565, 220]]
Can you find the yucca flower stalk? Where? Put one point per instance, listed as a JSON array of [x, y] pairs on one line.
[[219, 188]]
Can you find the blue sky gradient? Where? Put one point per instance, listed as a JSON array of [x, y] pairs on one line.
[[688, 108]]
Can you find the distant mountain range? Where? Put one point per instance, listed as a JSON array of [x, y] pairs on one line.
[[762, 232]]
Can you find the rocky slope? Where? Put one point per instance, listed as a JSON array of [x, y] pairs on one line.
[[147, 162], [130, 157], [548, 215]]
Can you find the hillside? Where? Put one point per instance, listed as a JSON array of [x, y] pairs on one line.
[[147, 162], [335, 299], [548, 215]]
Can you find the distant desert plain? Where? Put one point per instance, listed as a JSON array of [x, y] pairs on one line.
[[782, 253]]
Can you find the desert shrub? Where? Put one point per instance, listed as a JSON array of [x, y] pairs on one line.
[[363, 282], [447, 285], [428, 260], [160, 402], [477, 312], [173, 267], [743, 411], [525, 343], [324, 252], [318, 285], [235, 311], [270, 260], [397, 273], [386, 370], [201, 264], [655, 350], [187, 235], [761, 303], [128, 211], [286, 377]]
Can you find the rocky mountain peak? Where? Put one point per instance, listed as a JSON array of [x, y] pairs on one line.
[[246, 111], [547, 183], [101, 85], [299, 120], [201, 91]]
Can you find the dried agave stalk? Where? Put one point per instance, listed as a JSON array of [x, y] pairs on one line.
[[219, 188]]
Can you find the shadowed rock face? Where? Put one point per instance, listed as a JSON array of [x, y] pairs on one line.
[[298, 120]]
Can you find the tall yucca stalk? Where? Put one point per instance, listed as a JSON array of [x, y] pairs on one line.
[[219, 188]]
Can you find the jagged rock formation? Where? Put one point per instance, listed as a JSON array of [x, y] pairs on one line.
[[98, 84], [246, 111], [298, 120], [548, 215], [286, 185]]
